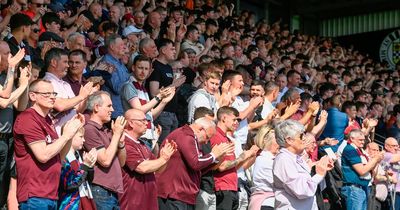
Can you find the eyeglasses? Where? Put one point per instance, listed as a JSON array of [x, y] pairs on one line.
[[141, 120], [393, 145], [46, 94]]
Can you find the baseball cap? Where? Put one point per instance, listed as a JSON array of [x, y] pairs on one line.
[[50, 36], [131, 29]]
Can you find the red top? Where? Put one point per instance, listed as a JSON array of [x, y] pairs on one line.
[[97, 136], [35, 179], [226, 180], [181, 178], [352, 125], [140, 190]]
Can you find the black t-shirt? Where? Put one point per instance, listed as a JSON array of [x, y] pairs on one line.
[[190, 75], [207, 179], [164, 75]]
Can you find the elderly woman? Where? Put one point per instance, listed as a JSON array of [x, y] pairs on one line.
[[262, 196], [294, 186]]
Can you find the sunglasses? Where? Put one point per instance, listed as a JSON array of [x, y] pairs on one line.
[[36, 30], [40, 5]]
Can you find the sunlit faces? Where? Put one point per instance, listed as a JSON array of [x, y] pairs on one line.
[[237, 82], [103, 111], [76, 64], [211, 85], [60, 66], [42, 95], [256, 90], [141, 70]]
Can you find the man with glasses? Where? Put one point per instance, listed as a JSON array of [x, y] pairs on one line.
[[179, 183], [356, 169], [140, 166], [39, 149], [392, 157], [66, 104], [36, 9]]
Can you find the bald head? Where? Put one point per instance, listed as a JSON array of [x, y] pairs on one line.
[[391, 145], [134, 114]]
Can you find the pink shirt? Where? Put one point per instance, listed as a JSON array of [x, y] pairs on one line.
[[63, 90]]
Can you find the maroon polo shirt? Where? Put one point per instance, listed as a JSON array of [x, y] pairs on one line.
[[75, 84], [35, 179], [181, 178], [140, 190], [97, 136], [226, 180]]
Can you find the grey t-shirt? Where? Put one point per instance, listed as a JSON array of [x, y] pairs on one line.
[[7, 116]]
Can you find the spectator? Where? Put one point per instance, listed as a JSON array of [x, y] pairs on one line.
[[226, 178], [134, 95], [139, 171], [118, 72], [294, 186], [111, 153], [39, 150], [77, 64], [205, 97], [148, 48], [66, 104], [392, 158], [262, 196], [75, 191], [337, 121], [356, 169], [181, 191], [20, 25], [9, 98], [162, 76]]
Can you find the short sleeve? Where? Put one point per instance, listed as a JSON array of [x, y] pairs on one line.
[[128, 92], [352, 156], [28, 127], [155, 75], [92, 137], [134, 156]]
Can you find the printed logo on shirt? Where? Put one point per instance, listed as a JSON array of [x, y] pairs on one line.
[[48, 139], [170, 75]]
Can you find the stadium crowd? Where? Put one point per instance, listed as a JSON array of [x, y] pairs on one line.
[[168, 104]]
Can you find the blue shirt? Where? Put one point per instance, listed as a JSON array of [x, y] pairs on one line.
[[337, 122], [114, 84], [351, 157]]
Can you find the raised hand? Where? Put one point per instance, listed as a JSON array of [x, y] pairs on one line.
[[170, 95], [25, 76], [119, 125], [14, 60], [72, 126], [179, 81], [86, 90], [168, 149], [222, 149], [90, 158]]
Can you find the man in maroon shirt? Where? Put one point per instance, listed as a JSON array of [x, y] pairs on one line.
[[226, 179], [39, 150], [111, 154], [77, 64], [178, 184], [140, 188]]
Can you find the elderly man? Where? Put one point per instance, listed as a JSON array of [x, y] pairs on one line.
[[119, 73], [148, 48], [392, 157], [356, 169], [111, 153], [66, 104], [295, 188], [179, 183], [39, 150], [140, 166]]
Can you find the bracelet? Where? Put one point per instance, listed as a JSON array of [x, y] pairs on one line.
[[157, 98], [121, 147]]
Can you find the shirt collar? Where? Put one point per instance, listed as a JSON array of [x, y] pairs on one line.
[[53, 76], [96, 125]]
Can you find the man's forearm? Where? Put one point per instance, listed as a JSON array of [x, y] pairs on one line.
[[8, 85]]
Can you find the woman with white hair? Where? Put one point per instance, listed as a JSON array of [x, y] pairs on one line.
[[262, 196], [294, 187]]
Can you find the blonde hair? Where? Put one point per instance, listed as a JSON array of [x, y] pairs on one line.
[[264, 137]]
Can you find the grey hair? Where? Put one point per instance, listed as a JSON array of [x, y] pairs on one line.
[[73, 36], [95, 99], [205, 123], [110, 40], [289, 94], [144, 42], [285, 129], [355, 133]]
